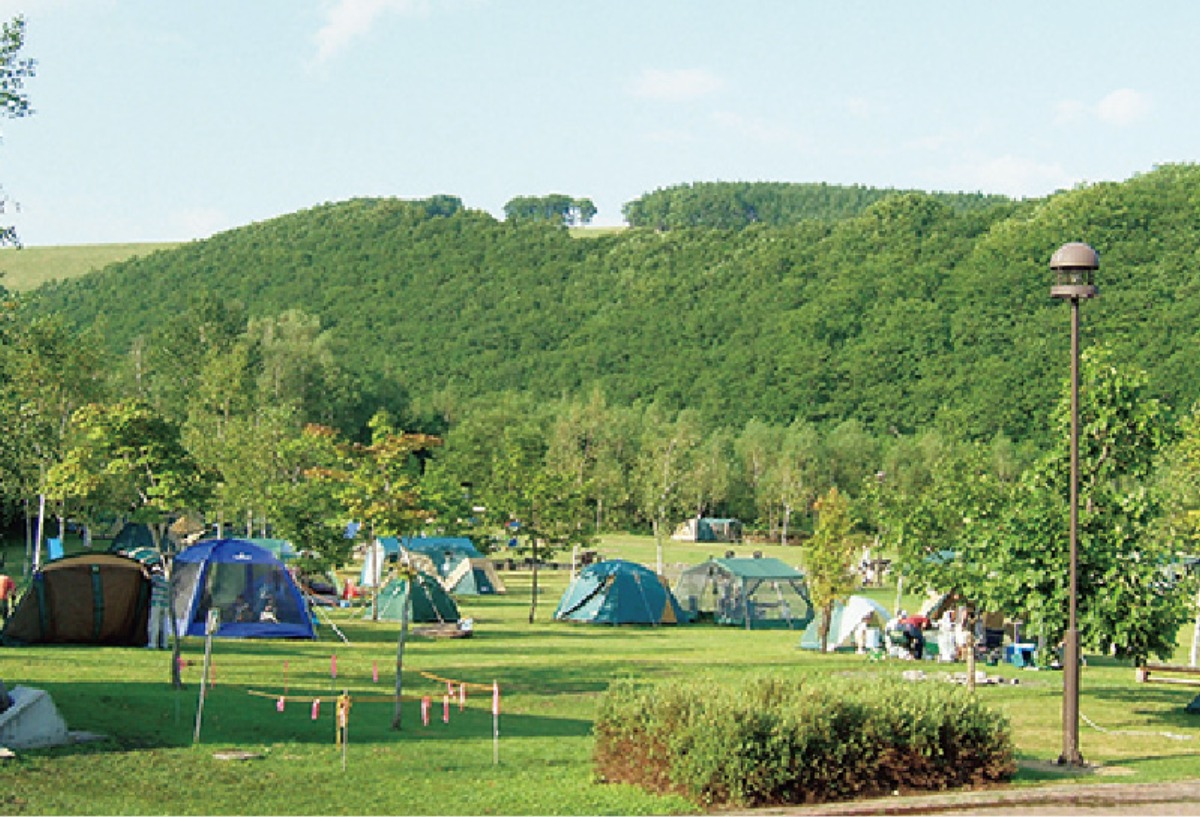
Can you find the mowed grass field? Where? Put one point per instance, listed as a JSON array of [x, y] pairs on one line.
[[550, 677], [29, 267]]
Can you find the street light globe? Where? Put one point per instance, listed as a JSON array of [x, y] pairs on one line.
[[1073, 265]]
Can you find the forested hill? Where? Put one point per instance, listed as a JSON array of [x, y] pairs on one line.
[[740, 204], [909, 313]]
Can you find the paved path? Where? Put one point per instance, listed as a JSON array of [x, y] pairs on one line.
[[1179, 798]]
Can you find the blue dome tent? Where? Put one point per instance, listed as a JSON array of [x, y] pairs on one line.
[[253, 591]]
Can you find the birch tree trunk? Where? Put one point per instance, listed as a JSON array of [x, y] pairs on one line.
[[1196, 634], [400, 653]]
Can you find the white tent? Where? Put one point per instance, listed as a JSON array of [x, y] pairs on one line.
[[843, 621], [374, 570]]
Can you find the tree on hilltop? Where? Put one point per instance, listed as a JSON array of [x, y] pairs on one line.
[[555, 208]]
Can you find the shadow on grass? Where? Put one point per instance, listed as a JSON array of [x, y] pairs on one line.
[[140, 716], [1164, 707]]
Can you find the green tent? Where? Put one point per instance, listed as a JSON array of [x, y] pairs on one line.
[[618, 592], [133, 536], [430, 602], [752, 593]]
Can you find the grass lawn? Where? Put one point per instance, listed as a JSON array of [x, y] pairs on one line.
[[29, 267], [550, 676]]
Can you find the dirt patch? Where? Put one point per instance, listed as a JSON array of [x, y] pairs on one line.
[[1049, 767]]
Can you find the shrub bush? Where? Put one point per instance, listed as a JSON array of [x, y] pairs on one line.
[[773, 741]]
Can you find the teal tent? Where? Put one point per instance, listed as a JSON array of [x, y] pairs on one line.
[[430, 602], [445, 553], [618, 592], [751, 593], [474, 577], [132, 536], [701, 529], [281, 548], [459, 565]]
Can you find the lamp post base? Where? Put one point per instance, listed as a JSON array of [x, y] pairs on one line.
[[1070, 753]]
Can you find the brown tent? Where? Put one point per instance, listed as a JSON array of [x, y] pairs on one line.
[[89, 598]]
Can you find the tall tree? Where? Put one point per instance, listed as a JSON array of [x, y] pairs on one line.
[[756, 448], [1179, 479], [590, 443], [132, 459], [383, 486], [666, 452], [165, 369], [707, 486], [46, 373], [554, 208], [297, 366], [791, 480], [546, 505], [1020, 563], [306, 506], [829, 557], [930, 499]]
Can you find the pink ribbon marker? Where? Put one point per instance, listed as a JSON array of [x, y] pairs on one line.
[[375, 671], [316, 708], [425, 710], [445, 709], [279, 704]]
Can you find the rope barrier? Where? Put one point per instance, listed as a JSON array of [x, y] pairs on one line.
[[468, 684], [325, 699]]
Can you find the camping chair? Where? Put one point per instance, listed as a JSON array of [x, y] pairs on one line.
[[897, 643]]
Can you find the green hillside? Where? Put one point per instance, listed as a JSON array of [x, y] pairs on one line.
[[741, 204], [910, 313], [27, 268]]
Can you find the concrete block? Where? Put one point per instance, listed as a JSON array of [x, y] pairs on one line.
[[32, 721]]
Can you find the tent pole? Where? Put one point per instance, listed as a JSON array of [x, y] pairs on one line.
[[787, 613], [209, 629], [400, 642], [37, 540], [309, 601]]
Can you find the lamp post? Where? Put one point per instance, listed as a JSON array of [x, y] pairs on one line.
[[1073, 265]]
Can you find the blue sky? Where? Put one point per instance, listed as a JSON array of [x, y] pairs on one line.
[[160, 120]]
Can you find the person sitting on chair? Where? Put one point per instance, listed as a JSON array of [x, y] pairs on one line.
[[242, 610], [914, 637]]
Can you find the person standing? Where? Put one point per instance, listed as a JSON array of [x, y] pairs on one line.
[[158, 629], [8, 588]]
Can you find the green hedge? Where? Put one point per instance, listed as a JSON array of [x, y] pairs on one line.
[[774, 741]]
